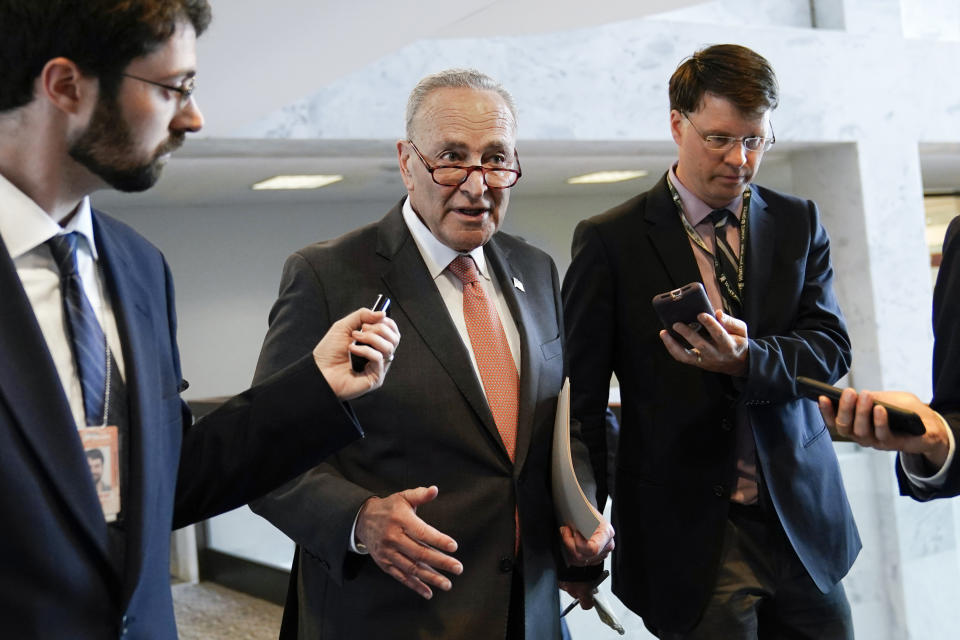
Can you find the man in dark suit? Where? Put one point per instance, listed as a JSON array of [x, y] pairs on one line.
[[731, 512], [95, 95], [926, 468], [448, 494]]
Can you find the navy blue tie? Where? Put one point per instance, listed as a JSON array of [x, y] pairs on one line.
[[89, 342]]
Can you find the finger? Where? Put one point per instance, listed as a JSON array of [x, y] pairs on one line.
[[425, 556], [733, 326], [587, 550], [718, 333], [366, 316], [845, 412], [420, 531], [825, 405], [412, 582], [416, 560], [676, 351], [375, 341], [426, 575], [691, 336], [386, 329], [602, 538], [356, 319], [583, 543], [863, 417], [610, 546], [881, 426], [420, 495], [368, 353]]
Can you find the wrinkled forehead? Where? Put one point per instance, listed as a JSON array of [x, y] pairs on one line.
[[467, 116]]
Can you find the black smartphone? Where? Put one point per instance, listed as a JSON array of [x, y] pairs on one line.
[[901, 420], [683, 305], [382, 304]]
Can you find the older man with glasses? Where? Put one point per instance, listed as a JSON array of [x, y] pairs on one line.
[[731, 512], [440, 522]]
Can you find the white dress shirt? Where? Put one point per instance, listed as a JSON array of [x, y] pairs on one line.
[[438, 257], [914, 465], [25, 228]]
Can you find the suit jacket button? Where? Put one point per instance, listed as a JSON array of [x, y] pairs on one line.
[[506, 565], [726, 425], [719, 490]]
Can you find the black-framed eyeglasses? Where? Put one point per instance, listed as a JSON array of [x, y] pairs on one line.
[[451, 176], [186, 87], [724, 143]]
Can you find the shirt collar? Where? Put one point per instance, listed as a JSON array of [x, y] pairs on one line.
[[437, 255], [695, 209], [24, 226]]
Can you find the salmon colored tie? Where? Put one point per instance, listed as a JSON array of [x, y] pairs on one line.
[[498, 371]]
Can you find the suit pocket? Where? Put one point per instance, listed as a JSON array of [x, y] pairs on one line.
[[552, 348], [809, 441]]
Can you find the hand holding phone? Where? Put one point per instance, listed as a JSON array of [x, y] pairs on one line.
[[683, 305], [382, 303], [901, 420]]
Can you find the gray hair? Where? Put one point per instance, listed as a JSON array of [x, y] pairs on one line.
[[455, 79]]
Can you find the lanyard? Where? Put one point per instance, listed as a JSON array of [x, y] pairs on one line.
[[695, 236], [107, 357]]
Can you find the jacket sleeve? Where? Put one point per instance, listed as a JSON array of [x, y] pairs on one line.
[[257, 440], [946, 360], [816, 344], [317, 509]]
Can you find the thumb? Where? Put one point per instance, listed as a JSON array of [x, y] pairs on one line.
[[731, 324], [420, 495], [356, 319]]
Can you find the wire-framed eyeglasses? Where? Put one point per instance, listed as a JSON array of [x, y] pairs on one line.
[[452, 176], [724, 143], [186, 87]]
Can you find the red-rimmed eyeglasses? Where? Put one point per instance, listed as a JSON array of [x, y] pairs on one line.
[[452, 176]]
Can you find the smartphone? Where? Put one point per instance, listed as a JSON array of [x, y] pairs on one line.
[[683, 305], [901, 420], [382, 303]]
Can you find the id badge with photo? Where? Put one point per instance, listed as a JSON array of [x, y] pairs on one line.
[[101, 446]]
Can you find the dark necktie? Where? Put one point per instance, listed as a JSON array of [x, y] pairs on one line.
[[89, 342], [727, 264]]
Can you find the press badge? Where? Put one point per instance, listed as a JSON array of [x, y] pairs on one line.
[[101, 447]]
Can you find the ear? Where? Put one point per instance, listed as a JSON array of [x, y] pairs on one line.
[[63, 84], [676, 125], [404, 159]]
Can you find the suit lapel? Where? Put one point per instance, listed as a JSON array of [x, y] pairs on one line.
[[760, 247], [409, 285], [130, 301], [505, 269], [667, 237], [31, 389]]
